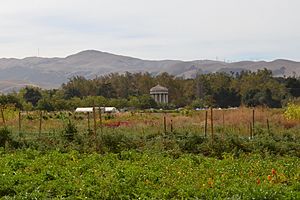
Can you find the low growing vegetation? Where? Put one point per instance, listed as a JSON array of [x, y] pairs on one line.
[[130, 174], [139, 163]]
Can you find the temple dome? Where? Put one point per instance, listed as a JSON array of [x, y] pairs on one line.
[[158, 88]]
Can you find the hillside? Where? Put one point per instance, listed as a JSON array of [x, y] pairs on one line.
[[52, 72]]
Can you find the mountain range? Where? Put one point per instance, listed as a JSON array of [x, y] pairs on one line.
[[52, 72]]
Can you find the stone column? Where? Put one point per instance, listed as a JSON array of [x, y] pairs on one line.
[[167, 96]]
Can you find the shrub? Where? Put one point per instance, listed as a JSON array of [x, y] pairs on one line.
[[5, 136], [70, 131], [29, 117], [109, 116], [292, 111], [117, 142]]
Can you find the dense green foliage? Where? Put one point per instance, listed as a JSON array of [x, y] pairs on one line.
[[132, 90], [176, 143], [32, 95], [30, 174]]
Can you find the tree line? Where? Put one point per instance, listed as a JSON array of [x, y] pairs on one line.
[[131, 90]]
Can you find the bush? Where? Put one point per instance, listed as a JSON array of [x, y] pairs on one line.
[[116, 142], [109, 116], [292, 111], [70, 131], [5, 136]]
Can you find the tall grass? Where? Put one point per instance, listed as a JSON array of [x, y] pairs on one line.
[[63, 130]]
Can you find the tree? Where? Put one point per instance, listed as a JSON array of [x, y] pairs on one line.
[[78, 86], [257, 97], [45, 104], [226, 97], [72, 92], [32, 95], [11, 99], [198, 103], [255, 89], [217, 90], [146, 102], [106, 90], [118, 103], [293, 86]]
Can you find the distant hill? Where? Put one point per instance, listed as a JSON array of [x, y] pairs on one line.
[[52, 72]]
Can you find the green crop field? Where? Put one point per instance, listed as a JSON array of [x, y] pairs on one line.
[[150, 155], [31, 174]]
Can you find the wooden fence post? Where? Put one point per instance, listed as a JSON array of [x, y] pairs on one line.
[[171, 126], [95, 122], [268, 127], [40, 125], [250, 130], [223, 131], [20, 122], [100, 119], [253, 121], [2, 115], [89, 125], [205, 125], [212, 123], [165, 125]]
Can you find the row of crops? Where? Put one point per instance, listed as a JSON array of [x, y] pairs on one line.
[[30, 174]]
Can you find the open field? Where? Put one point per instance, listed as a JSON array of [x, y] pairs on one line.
[[133, 155]]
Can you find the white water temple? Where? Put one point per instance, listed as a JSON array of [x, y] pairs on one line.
[[159, 94]]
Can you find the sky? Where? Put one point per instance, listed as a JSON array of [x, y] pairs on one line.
[[230, 30]]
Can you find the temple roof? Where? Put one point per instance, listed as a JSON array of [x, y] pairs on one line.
[[159, 88]]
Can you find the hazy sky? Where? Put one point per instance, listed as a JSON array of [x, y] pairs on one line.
[[152, 29]]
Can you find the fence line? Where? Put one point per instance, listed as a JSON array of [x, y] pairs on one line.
[[217, 119]]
